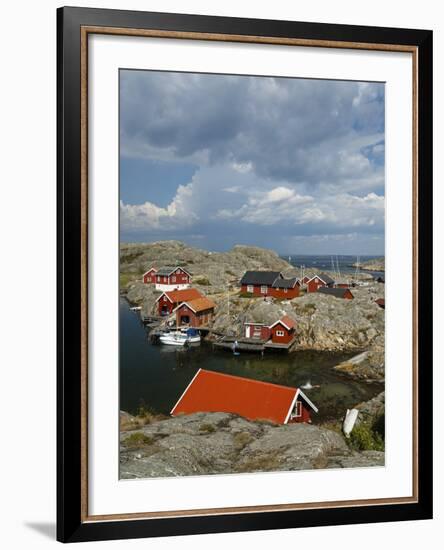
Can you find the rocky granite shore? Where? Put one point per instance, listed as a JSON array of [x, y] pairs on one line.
[[221, 443], [324, 323], [375, 264]]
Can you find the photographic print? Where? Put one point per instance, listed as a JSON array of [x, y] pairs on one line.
[[251, 274]]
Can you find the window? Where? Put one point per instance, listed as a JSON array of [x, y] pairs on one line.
[[280, 333], [264, 289], [297, 412], [285, 290], [173, 278], [250, 288], [164, 298]]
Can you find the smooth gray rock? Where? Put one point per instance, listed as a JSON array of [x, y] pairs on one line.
[[220, 443]]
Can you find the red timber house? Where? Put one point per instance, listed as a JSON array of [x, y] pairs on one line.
[[169, 300], [269, 283], [318, 281], [172, 278], [195, 313], [344, 293], [281, 332], [211, 391], [150, 276]]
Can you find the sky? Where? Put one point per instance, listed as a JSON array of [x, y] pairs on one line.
[[295, 165]]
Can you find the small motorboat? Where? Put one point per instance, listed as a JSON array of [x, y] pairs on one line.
[[174, 339], [135, 308], [180, 338], [192, 334]]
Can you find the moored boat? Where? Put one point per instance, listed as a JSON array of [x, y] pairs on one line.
[[180, 338]]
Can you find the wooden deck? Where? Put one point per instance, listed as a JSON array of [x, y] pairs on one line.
[[271, 345]]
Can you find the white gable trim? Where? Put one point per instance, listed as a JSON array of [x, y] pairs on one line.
[[280, 322], [179, 267], [185, 391], [149, 271], [316, 277], [184, 304], [164, 294], [287, 418], [301, 393]]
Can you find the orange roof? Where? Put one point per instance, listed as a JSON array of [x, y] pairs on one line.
[[216, 392], [199, 304], [183, 295]]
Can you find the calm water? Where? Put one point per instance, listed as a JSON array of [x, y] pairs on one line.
[[325, 262], [156, 375]]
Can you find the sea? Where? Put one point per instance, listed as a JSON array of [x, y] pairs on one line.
[[336, 263], [155, 376]]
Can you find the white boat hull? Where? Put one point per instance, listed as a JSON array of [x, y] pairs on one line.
[[178, 339]]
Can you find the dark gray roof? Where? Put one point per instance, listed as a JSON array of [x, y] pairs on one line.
[[260, 277], [285, 283], [337, 292], [326, 278], [167, 270]]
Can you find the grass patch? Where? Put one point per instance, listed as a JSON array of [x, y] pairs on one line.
[[204, 281], [130, 258], [246, 294], [241, 439], [307, 309], [126, 278], [138, 439], [208, 428], [264, 463]]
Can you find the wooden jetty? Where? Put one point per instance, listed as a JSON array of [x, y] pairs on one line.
[[242, 344], [151, 319], [251, 344]]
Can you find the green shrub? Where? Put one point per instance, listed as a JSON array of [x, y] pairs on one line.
[[363, 438], [246, 294]]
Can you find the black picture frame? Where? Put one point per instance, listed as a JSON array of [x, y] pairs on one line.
[[71, 525]]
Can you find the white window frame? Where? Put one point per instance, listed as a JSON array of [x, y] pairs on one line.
[[280, 333], [250, 288], [264, 289], [285, 290], [173, 278]]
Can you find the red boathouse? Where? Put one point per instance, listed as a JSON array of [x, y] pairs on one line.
[[169, 300], [195, 313], [211, 391], [283, 330]]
